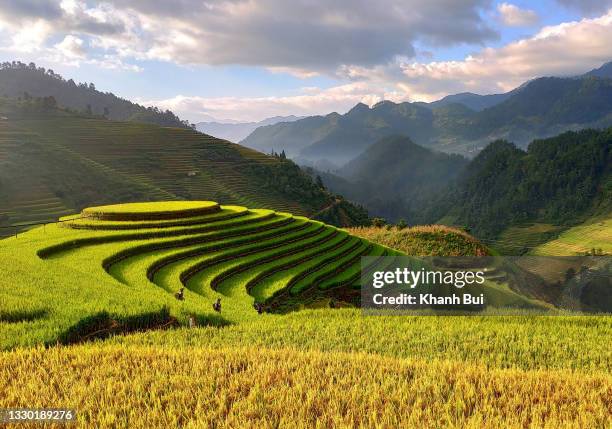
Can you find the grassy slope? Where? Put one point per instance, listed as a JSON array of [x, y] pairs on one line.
[[549, 240], [308, 368], [429, 240], [54, 163], [593, 234], [214, 257]]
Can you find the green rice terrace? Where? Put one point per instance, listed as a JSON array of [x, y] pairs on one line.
[[120, 267]]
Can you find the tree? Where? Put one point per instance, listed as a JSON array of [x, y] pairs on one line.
[[379, 222], [49, 103], [319, 182], [402, 224]]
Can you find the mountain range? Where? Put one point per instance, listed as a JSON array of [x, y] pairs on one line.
[[236, 131], [461, 123]]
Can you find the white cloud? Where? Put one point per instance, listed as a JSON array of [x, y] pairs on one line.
[[29, 38], [513, 16], [71, 47], [563, 50]]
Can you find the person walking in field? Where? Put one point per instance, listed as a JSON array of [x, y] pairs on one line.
[[180, 294], [217, 305]]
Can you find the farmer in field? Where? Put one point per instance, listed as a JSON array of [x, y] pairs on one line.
[[217, 305], [180, 294], [258, 307]]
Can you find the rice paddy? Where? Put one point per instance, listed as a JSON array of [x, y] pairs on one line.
[[90, 320]]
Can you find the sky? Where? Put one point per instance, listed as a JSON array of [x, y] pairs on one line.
[[247, 60]]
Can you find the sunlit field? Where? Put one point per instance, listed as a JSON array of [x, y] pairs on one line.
[[90, 320]]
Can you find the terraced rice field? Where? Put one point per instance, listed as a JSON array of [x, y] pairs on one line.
[[519, 240], [183, 163], [116, 269], [594, 234], [55, 165], [239, 255]]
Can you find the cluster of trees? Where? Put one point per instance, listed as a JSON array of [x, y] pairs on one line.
[[287, 180], [17, 78], [559, 180]]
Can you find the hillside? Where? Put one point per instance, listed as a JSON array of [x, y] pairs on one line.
[[20, 80], [542, 108], [560, 181], [430, 240], [472, 101], [55, 162], [395, 178], [240, 255]]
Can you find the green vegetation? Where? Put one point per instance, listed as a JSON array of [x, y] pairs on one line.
[[184, 364], [158, 248], [519, 240], [28, 81], [396, 178], [54, 163], [559, 181], [143, 211], [538, 109], [431, 240], [593, 237]]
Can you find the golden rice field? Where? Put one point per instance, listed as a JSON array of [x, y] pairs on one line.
[[143, 387]]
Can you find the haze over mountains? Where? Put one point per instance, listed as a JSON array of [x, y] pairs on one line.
[[236, 131], [561, 180], [462, 123]]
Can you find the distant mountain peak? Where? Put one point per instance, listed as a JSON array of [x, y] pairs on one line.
[[604, 71], [383, 103], [359, 108]]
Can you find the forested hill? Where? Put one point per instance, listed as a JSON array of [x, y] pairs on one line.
[[26, 80], [561, 180], [395, 177]]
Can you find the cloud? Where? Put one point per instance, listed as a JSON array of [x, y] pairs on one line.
[[588, 6], [301, 36], [562, 50], [310, 101], [513, 16], [71, 47]]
